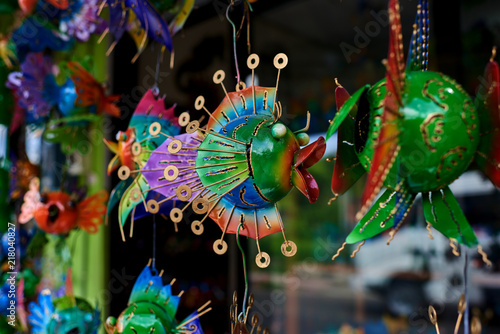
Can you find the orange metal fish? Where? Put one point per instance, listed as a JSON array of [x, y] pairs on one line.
[[122, 150], [90, 92], [56, 213]]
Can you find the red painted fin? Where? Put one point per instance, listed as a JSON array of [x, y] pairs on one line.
[[395, 59], [347, 169], [487, 104], [387, 147], [92, 211], [306, 183]]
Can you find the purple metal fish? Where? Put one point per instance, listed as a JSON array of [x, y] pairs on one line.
[[28, 85]]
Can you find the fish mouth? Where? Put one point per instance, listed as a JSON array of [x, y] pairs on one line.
[[122, 150], [53, 212], [75, 330], [305, 158]]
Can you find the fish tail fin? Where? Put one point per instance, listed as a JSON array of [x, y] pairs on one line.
[[487, 104], [92, 211]]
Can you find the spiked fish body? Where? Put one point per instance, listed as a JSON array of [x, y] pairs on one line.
[[64, 315], [236, 169], [132, 151], [415, 131], [152, 308], [142, 20]]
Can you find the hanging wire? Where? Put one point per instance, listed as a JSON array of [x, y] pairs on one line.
[[234, 42], [156, 89], [243, 311], [153, 263], [236, 33], [466, 282]]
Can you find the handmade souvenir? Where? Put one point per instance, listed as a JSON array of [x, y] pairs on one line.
[[56, 212], [42, 36], [132, 151], [90, 92], [415, 131], [154, 27], [28, 85], [80, 101], [152, 308], [238, 167], [63, 315], [181, 9], [81, 20]]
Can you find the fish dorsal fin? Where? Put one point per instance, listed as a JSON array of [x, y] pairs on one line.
[[149, 288], [242, 103], [419, 47]]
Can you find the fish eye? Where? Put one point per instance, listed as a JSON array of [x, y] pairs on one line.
[[303, 138], [278, 131]]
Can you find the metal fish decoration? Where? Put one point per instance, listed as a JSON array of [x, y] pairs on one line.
[[131, 152], [415, 131], [56, 212], [152, 308], [237, 168]]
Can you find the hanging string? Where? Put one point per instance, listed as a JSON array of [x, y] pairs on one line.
[[154, 243], [466, 312], [234, 41], [243, 311], [156, 89], [236, 33]]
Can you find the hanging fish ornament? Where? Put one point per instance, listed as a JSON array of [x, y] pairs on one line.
[[118, 21], [28, 86], [151, 22], [415, 131], [66, 110], [238, 167], [80, 101], [152, 308], [56, 212], [37, 35], [81, 19], [64, 315], [154, 25], [90, 92], [181, 11], [132, 151]]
